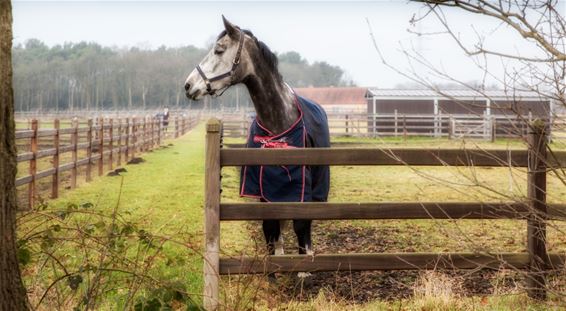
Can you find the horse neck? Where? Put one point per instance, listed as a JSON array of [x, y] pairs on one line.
[[274, 102]]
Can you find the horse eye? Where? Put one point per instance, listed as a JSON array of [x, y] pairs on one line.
[[218, 51]]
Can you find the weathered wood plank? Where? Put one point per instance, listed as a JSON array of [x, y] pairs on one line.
[[45, 153], [46, 132], [119, 142], [128, 145], [45, 173], [24, 134], [101, 146], [74, 142], [84, 161], [22, 157], [387, 261], [65, 167], [23, 180], [66, 148], [211, 214], [380, 210], [33, 165], [111, 145], [69, 130], [359, 156], [536, 223], [55, 179], [89, 151]]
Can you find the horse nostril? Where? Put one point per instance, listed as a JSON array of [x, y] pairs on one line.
[[187, 86]]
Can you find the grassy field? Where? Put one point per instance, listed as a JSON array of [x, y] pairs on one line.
[[162, 196], [135, 240]]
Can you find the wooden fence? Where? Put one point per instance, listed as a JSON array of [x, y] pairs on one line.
[[405, 125], [534, 210], [103, 142], [69, 114]]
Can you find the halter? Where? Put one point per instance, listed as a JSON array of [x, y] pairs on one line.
[[230, 73]]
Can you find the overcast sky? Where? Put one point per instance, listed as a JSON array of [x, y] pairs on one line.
[[335, 32]]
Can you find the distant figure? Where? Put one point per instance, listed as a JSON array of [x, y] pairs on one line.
[[165, 118]]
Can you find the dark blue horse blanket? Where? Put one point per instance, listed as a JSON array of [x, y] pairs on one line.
[[291, 183]]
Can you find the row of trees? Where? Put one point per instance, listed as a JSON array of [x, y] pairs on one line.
[[88, 76]]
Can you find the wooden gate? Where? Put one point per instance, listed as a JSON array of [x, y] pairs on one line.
[[474, 128], [534, 210]]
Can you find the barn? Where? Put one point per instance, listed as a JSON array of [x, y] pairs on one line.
[[337, 99], [448, 112]]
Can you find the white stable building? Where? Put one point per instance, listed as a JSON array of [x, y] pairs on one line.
[[428, 112]]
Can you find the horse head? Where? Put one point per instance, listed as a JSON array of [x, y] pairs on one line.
[[226, 64]]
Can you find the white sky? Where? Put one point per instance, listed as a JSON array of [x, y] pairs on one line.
[[335, 32]]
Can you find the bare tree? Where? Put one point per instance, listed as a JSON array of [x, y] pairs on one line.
[[12, 292], [541, 68], [538, 22], [538, 68]]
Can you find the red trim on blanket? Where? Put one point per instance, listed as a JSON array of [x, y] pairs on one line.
[[274, 136], [242, 194], [304, 166], [276, 145]]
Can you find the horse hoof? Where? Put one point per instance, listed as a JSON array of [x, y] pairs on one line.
[[271, 278], [305, 279], [304, 275]]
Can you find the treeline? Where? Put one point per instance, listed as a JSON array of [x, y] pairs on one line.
[[88, 76]]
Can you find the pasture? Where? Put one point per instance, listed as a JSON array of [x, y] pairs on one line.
[[136, 240], [66, 149]]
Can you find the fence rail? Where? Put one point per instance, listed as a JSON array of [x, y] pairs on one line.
[[104, 143], [487, 127], [534, 210]]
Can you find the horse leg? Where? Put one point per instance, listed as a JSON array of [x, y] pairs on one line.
[[303, 231], [272, 233]]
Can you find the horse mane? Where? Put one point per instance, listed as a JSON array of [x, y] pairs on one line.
[[266, 54]]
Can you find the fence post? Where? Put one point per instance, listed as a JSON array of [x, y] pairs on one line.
[[450, 127], [141, 135], [119, 163], [536, 222], [212, 215], [89, 151], [74, 144], [396, 124], [492, 139], [145, 133], [439, 124], [176, 127], [145, 127], [126, 155], [404, 127], [55, 179], [33, 164], [134, 137], [152, 135], [148, 134], [111, 144], [159, 123], [101, 146]]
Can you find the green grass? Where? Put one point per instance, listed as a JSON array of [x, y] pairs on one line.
[[164, 196]]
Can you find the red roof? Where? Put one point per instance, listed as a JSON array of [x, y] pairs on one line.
[[334, 95]]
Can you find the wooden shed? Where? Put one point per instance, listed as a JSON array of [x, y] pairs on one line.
[[434, 113]]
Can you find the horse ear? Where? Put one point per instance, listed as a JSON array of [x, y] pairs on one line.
[[231, 29]]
